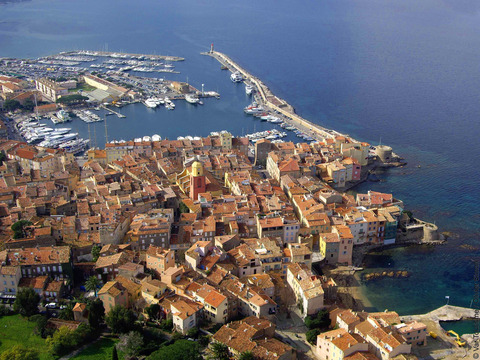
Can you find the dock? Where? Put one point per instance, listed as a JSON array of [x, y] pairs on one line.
[[120, 115], [121, 54], [274, 103]]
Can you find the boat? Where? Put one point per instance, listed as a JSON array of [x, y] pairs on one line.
[[151, 103], [249, 89], [236, 77], [192, 98], [223, 67], [63, 115]]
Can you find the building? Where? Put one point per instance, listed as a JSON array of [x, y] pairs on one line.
[[307, 288], [159, 259], [50, 90], [197, 181], [338, 344], [254, 335]]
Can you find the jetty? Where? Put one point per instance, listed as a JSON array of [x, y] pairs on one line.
[[274, 103], [120, 115]]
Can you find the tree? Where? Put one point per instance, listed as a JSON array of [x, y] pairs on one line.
[[131, 343], [11, 105], [92, 284], [179, 350], [19, 228], [67, 313], [96, 252], [28, 105], [153, 312], [167, 325], [184, 208], [3, 157], [26, 302], [40, 324], [193, 332], [311, 336], [19, 352], [320, 321], [114, 353], [246, 355], [120, 320], [220, 351], [96, 313], [71, 99], [62, 341]]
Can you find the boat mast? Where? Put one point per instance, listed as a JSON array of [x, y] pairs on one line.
[[106, 134]]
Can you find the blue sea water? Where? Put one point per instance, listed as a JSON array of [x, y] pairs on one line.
[[404, 73]]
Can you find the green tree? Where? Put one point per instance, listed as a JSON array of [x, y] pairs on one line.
[[96, 313], [193, 332], [67, 313], [167, 325], [28, 105], [184, 208], [114, 353], [19, 352], [92, 284], [40, 324], [62, 341], [71, 99], [11, 105], [3, 157], [247, 355], [311, 336], [153, 312], [130, 344], [179, 350], [26, 302], [319, 321], [219, 351], [120, 320], [96, 252], [19, 228]]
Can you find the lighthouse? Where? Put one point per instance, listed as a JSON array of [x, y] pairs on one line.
[[211, 48]]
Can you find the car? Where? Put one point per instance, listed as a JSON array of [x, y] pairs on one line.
[[62, 307], [51, 305]]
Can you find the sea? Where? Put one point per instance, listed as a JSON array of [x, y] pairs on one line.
[[402, 73]]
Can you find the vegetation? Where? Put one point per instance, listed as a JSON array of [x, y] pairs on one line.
[[92, 284], [19, 352], [67, 313], [19, 228], [3, 157], [103, 349], [131, 344], [72, 99], [40, 322], [96, 252], [65, 340], [121, 320], [219, 352], [311, 336], [26, 303], [16, 330], [247, 355], [319, 321], [114, 353], [96, 313], [4, 310], [179, 350], [11, 105], [153, 312], [184, 208]]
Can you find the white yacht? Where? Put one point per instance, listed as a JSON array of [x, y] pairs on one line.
[[192, 98], [151, 103], [249, 89], [236, 77], [63, 115]]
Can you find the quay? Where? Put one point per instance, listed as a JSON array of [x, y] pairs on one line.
[[113, 111], [269, 100], [120, 54]]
